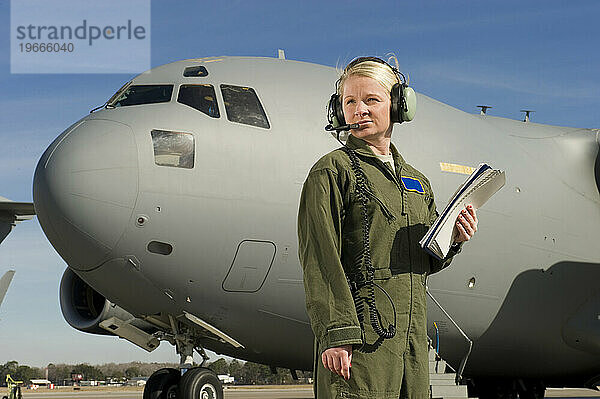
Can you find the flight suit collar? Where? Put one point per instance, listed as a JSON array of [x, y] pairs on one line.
[[362, 148]]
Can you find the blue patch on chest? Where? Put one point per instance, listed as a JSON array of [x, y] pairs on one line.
[[412, 184]]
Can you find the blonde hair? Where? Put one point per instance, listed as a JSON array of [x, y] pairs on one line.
[[381, 72]]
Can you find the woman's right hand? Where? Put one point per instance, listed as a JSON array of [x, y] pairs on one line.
[[338, 360]]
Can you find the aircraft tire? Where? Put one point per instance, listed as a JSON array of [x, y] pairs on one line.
[[162, 384], [200, 383], [532, 390], [494, 389]]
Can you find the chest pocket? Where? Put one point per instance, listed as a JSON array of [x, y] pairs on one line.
[[406, 254], [417, 198]]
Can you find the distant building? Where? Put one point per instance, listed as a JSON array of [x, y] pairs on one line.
[[40, 382], [92, 383], [226, 378], [137, 381]]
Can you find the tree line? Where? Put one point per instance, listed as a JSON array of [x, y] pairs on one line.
[[249, 373], [246, 373]]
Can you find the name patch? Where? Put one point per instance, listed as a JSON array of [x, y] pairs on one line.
[[412, 184]]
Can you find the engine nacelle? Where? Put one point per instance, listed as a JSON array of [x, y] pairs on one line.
[[84, 308]]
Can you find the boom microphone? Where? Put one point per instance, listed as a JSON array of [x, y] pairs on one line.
[[330, 127]]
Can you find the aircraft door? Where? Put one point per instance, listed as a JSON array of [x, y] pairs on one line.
[[251, 264]]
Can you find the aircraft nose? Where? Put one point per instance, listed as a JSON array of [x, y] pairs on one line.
[[84, 190]]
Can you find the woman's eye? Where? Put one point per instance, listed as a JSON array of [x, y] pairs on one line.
[[372, 99], [349, 102]]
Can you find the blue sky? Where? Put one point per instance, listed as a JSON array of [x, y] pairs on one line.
[[540, 55]]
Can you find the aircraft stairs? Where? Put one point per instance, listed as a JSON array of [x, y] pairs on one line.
[[442, 379]]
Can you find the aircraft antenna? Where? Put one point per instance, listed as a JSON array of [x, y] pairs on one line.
[[484, 109], [281, 54], [527, 112]]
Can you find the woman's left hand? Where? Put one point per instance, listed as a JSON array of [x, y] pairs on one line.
[[466, 224]]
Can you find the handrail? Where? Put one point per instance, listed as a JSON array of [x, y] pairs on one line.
[[463, 362]]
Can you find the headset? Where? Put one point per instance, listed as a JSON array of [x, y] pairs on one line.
[[403, 99]]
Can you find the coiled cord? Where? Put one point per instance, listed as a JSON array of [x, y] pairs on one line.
[[356, 278]]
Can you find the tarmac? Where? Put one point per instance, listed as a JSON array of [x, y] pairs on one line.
[[254, 392], [237, 392]]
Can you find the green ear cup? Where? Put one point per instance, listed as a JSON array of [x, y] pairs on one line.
[[410, 101]]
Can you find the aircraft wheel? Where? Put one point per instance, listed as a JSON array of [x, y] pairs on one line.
[[162, 384], [200, 383], [495, 389], [532, 390]]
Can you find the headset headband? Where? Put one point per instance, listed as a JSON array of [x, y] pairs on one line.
[[359, 60]]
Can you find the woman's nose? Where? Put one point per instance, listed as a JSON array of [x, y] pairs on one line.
[[361, 108]]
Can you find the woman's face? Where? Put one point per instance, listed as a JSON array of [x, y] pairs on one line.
[[367, 103]]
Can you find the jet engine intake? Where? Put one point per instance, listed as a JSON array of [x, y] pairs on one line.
[[84, 308]]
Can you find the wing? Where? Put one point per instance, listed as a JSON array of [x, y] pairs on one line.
[[5, 282], [12, 212]]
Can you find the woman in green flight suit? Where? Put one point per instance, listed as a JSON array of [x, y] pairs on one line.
[[386, 353]]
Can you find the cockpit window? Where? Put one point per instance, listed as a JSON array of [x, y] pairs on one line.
[[195, 72], [243, 106], [200, 97], [173, 148], [144, 94]]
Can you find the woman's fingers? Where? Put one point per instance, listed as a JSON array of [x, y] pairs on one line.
[[337, 365], [466, 224], [330, 363], [338, 360], [462, 233], [473, 213], [345, 371], [471, 218]]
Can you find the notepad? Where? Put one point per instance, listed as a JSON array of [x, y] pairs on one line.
[[476, 190]]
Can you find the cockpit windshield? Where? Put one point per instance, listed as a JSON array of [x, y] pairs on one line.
[[143, 94], [243, 106]]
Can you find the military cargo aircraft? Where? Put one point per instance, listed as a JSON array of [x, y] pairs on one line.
[[174, 206]]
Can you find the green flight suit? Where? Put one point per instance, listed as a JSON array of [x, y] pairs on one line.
[[330, 244]]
